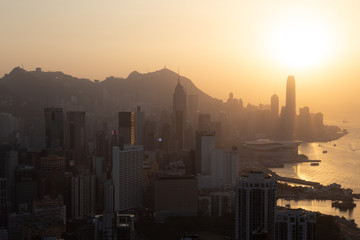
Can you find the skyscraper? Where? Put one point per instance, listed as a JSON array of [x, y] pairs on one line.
[[255, 206], [126, 128], [274, 106], [205, 147], [75, 138], [127, 177], [54, 129], [179, 112], [290, 113]]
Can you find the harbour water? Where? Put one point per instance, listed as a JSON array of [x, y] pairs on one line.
[[340, 164]]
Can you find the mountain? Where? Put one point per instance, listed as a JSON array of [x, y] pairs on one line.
[[27, 93]]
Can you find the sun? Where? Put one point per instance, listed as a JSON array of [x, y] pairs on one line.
[[300, 42]]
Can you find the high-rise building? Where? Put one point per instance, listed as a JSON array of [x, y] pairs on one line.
[[54, 129], [83, 189], [139, 127], [179, 112], [274, 106], [127, 177], [205, 146], [75, 139], [126, 128], [204, 122], [295, 224], [290, 111], [255, 206], [176, 196]]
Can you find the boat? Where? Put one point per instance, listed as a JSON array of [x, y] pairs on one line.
[[345, 121], [334, 145], [288, 205], [343, 205], [324, 151], [314, 164]]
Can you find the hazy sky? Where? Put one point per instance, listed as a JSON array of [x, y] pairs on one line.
[[245, 47]]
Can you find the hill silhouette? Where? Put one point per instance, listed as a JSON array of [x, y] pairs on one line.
[[27, 93]]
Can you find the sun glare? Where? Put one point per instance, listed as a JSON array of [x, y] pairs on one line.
[[300, 43]]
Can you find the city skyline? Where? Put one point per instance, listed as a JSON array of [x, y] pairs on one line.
[[221, 51]]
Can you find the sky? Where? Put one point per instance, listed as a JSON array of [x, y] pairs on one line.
[[245, 47]]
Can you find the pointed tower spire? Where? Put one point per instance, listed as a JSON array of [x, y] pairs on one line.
[[178, 76]]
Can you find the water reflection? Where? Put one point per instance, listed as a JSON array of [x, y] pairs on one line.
[[323, 206]]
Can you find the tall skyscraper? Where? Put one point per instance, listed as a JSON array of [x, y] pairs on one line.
[[274, 106], [290, 113], [127, 177], [179, 112], [75, 139], [139, 127], [126, 128], [54, 129], [255, 206]]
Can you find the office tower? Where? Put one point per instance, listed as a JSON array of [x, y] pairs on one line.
[[225, 168], [9, 127], [193, 110], [274, 106], [25, 187], [290, 113], [204, 122], [8, 163], [176, 196], [179, 112], [108, 197], [127, 177], [150, 135], [255, 206], [75, 139], [304, 128], [318, 120], [139, 127], [179, 129], [205, 146], [126, 128], [83, 192], [295, 224], [54, 129]]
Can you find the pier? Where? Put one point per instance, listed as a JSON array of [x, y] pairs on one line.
[[291, 180]]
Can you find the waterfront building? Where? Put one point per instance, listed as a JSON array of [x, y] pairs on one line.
[[268, 149], [127, 176], [290, 108], [255, 206], [295, 224]]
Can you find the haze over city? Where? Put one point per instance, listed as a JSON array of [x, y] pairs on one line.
[[248, 48], [179, 120]]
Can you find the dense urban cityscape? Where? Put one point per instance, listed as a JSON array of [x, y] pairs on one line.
[[69, 171]]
